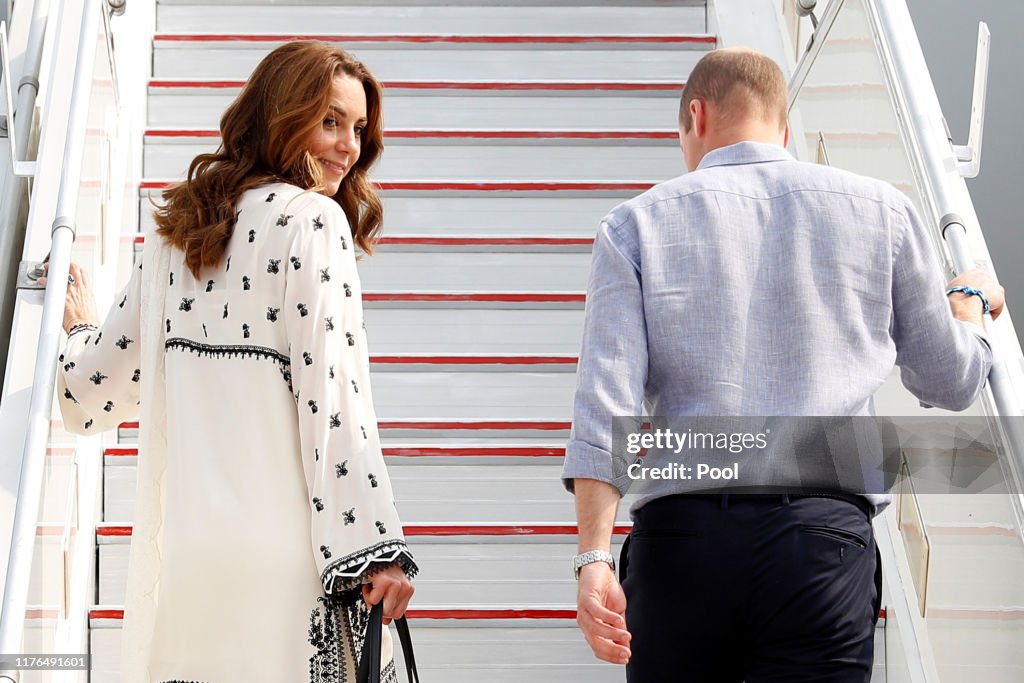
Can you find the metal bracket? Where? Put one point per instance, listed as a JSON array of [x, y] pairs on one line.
[[24, 169], [28, 271], [969, 156], [116, 7]]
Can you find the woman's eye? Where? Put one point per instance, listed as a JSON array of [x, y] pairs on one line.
[[329, 122], [360, 130]]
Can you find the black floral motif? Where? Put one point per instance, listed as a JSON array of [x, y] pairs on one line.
[[228, 267], [272, 314], [109, 407], [209, 285], [318, 224], [225, 317], [186, 304], [245, 331], [273, 266], [123, 343], [350, 516], [318, 504], [330, 373], [316, 455], [282, 220], [68, 367], [99, 336], [68, 396], [88, 424], [373, 480], [351, 339], [344, 244], [342, 469], [136, 375], [325, 275], [326, 550], [172, 279], [312, 406], [168, 325], [246, 285], [329, 324], [308, 359], [363, 429], [123, 301], [303, 311], [252, 236], [296, 262], [348, 289], [270, 197], [355, 387], [97, 378], [335, 420], [380, 527]]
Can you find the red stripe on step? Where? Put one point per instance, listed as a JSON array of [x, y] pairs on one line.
[[121, 451], [525, 451], [114, 531], [493, 297], [472, 360], [455, 85], [440, 530], [483, 425], [454, 39]]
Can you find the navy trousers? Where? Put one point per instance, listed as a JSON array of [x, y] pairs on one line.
[[730, 589]]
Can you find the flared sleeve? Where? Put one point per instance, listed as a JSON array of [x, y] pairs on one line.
[[98, 378], [356, 531]]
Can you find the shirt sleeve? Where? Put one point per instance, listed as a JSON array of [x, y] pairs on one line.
[[98, 378], [355, 526], [612, 371], [943, 361]]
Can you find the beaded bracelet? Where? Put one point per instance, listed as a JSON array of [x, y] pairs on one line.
[[81, 326], [971, 291]]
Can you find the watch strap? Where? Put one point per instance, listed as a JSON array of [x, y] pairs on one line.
[[589, 557]]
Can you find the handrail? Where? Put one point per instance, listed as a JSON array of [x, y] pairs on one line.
[[15, 600], [19, 126]]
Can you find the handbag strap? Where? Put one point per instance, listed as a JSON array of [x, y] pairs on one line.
[[369, 662]]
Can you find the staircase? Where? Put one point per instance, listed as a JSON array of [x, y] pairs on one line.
[[510, 130]]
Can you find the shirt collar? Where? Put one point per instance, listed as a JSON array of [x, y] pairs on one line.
[[746, 152]]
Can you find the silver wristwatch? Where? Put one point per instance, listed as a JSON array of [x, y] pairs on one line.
[[590, 557]]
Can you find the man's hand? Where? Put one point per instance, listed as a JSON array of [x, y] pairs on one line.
[[394, 588], [601, 613], [969, 308]]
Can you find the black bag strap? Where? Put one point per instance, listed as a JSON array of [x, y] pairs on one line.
[[369, 662]]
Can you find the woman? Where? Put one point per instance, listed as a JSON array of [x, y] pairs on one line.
[[263, 500]]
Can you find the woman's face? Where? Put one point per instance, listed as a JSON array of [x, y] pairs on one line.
[[336, 143]]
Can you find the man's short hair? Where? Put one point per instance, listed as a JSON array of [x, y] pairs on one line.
[[741, 83]]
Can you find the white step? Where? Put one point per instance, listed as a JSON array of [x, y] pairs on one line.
[[473, 156], [974, 646], [661, 18], [449, 209], [455, 571], [542, 645], [658, 58], [976, 567], [459, 105]]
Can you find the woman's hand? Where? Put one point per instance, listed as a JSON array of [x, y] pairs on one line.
[[80, 303], [392, 586]]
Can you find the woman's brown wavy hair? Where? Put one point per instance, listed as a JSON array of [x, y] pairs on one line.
[[264, 139]]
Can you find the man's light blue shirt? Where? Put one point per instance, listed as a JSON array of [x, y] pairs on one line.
[[759, 285]]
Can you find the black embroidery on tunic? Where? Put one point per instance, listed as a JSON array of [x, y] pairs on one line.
[[98, 337], [270, 197], [335, 420], [210, 351], [303, 311], [225, 317], [123, 301], [345, 572], [109, 407], [351, 339], [186, 305], [252, 236], [364, 431], [306, 358], [67, 395], [296, 262], [282, 220], [245, 283], [318, 504], [168, 325], [348, 289], [318, 224], [380, 527], [204, 331], [326, 633], [272, 314], [373, 480], [273, 266], [344, 244], [342, 469], [97, 378], [325, 275], [245, 331], [88, 424], [135, 375], [229, 265], [329, 324], [312, 406], [326, 550], [349, 516], [355, 386], [209, 285], [331, 372], [172, 279], [68, 367], [123, 343]]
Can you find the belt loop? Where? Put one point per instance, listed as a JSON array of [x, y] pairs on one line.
[[725, 501], [785, 499]]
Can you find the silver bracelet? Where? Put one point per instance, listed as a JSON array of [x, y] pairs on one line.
[[589, 557]]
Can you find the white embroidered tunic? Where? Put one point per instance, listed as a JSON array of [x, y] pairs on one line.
[[262, 487]]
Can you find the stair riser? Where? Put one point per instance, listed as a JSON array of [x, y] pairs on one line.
[[668, 62], [448, 110], [475, 160], [507, 20]]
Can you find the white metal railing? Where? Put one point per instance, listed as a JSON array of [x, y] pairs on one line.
[[19, 568]]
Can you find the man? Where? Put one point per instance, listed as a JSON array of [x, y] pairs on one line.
[[755, 285]]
